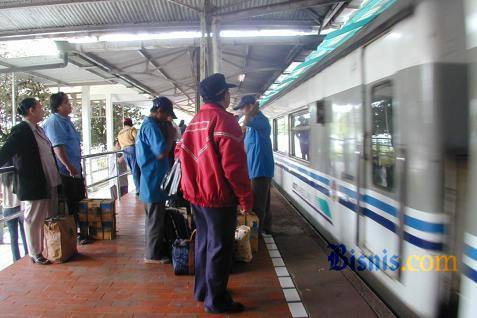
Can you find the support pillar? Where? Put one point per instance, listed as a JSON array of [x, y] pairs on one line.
[[216, 47], [109, 123], [14, 100], [205, 62], [86, 118]]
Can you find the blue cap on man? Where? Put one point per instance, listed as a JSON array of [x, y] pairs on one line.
[[244, 101], [213, 87], [165, 104]]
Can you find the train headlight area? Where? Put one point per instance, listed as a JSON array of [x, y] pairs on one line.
[[371, 105]]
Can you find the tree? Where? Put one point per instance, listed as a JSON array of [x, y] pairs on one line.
[[121, 111], [25, 87]]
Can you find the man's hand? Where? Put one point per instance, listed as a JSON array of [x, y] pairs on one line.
[[72, 170], [245, 212]]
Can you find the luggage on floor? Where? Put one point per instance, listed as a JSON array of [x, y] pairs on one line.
[[183, 255], [176, 227], [60, 238], [250, 220], [243, 251]]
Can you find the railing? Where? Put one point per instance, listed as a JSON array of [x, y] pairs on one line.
[[117, 176]]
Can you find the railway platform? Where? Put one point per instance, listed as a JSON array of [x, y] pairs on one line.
[[288, 277]]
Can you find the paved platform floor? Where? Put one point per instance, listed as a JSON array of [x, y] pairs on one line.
[[289, 277], [110, 279]]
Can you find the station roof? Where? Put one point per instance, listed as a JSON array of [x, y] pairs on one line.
[[129, 42]]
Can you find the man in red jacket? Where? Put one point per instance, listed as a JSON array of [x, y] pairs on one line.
[[214, 180]]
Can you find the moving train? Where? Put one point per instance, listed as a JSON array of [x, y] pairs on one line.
[[372, 146]]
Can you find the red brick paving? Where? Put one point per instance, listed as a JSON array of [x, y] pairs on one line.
[[110, 279]]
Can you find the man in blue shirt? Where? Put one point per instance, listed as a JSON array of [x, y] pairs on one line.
[[259, 158], [152, 149], [66, 145]]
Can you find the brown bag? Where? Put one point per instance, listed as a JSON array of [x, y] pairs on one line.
[[60, 238], [251, 220], [243, 251]]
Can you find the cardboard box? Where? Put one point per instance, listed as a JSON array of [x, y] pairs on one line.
[[94, 210], [96, 230], [250, 220]]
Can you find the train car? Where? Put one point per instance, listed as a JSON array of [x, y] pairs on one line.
[[371, 146], [468, 295]]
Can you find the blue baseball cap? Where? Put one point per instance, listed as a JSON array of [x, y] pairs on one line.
[[164, 104], [244, 101], [212, 87]]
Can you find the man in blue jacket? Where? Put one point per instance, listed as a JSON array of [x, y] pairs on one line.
[[259, 158], [152, 148]]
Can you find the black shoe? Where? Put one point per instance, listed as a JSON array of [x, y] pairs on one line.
[[84, 240], [232, 307], [40, 260]]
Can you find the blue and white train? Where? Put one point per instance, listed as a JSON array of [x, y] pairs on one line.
[[371, 145]]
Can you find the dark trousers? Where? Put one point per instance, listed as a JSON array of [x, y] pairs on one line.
[[130, 157], [261, 202], [13, 226], [214, 247], [73, 208], [154, 231]]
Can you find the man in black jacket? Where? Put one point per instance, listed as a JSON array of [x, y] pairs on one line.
[[37, 177]]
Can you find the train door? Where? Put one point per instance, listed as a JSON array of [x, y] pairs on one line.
[[382, 162]]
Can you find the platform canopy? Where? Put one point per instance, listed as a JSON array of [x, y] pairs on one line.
[[163, 47]]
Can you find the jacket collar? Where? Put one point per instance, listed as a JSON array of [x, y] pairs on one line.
[[211, 106]]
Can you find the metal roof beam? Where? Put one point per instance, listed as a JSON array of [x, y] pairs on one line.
[[185, 43], [110, 69], [315, 16], [35, 74], [273, 8], [41, 3], [158, 67], [185, 5], [333, 12], [16, 69], [96, 30]]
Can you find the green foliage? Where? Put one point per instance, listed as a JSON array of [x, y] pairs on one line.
[[25, 87], [126, 111]]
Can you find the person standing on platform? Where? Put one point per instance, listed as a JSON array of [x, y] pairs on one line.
[[11, 206], [152, 149], [37, 174], [127, 141], [182, 126], [214, 180], [259, 158], [66, 144]]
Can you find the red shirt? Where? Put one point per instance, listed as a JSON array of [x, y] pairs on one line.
[[213, 161]]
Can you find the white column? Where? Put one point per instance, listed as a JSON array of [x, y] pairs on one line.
[[216, 46], [86, 118], [109, 123]]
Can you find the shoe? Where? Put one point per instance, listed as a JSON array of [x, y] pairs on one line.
[[164, 260], [40, 260], [84, 241], [266, 233], [232, 307], [137, 194]]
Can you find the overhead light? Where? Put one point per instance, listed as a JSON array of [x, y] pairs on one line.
[[257, 33], [241, 77]]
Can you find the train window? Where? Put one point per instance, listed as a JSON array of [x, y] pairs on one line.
[[281, 135], [300, 133], [382, 145]]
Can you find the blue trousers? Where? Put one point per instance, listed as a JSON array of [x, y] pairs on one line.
[[214, 247], [130, 157], [13, 226]]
